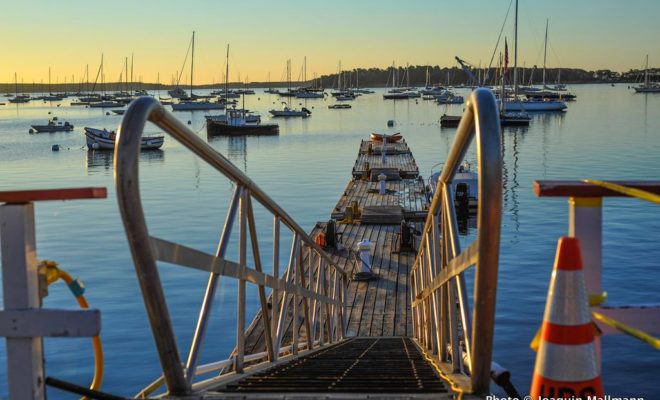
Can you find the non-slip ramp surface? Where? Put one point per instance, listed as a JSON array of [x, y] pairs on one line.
[[359, 365]]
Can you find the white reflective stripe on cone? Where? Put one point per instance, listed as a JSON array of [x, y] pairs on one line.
[[567, 363], [568, 305]]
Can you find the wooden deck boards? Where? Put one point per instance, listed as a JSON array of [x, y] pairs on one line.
[[399, 161], [378, 307]]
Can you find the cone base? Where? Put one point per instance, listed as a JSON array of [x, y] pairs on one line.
[[544, 387]]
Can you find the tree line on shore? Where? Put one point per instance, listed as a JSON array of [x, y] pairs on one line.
[[372, 77]]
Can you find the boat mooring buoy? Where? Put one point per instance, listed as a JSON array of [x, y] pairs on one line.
[[31, 131], [390, 123], [56, 147], [189, 122], [49, 112], [107, 113]]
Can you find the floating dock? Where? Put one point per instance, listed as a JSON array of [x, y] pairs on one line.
[[379, 357]]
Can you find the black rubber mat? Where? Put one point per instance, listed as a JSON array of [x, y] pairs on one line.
[[360, 365]]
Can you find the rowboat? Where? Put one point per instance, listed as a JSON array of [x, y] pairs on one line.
[[377, 137], [102, 139]]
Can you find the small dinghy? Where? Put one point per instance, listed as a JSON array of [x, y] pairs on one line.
[[101, 139], [377, 137]]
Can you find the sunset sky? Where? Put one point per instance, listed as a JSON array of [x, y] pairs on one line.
[[66, 35]]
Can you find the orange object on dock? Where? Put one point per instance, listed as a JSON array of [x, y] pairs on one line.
[[566, 360]]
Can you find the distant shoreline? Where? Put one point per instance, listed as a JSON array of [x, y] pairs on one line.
[[415, 76], [7, 88]]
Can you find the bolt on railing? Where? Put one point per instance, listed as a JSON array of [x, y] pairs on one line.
[[322, 292], [442, 324]]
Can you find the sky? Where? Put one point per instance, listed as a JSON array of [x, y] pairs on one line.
[[68, 35]]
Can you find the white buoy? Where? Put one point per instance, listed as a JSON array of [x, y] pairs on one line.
[[95, 146]]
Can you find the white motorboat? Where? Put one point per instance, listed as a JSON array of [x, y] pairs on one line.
[[102, 139], [465, 186], [290, 112], [52, 126]]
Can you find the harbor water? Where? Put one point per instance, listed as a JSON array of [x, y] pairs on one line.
[[609, 133]]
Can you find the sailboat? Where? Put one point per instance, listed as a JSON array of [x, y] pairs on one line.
[[304, 92], [18, 98], [195, 105], [235, 121], [647, 87], [510, 118], [548, 92], [517, 104]]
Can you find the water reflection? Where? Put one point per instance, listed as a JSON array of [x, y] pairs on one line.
[[236, 149], [510, 176], [103, 160]]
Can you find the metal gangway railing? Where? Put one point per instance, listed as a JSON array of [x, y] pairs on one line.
[[461, 343], [311, 278]]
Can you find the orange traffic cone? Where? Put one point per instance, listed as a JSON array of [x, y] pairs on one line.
[[566, 360]]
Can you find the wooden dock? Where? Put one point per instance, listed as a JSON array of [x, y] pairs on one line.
[[379, 307]]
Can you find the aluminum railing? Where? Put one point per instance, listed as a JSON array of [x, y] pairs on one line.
[[441, 313], [311, 279]]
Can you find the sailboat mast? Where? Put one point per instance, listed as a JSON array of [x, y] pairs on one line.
[[227, 75], [126, 74], [515, 54], [192, 64], [50, 90], [132, 86], [646, 72], [545, 50]]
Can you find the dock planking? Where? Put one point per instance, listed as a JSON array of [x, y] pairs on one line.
[[379, 307]]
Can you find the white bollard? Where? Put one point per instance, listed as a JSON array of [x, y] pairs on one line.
[[382, 178]]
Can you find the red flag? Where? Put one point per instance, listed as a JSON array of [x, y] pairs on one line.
[[506, 56]]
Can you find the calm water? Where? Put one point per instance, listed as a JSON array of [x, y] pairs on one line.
[[609, 133]]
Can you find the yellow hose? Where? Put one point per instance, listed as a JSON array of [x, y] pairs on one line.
[[53, 273], [628, 191]]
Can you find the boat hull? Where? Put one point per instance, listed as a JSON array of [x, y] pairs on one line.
[[52, 128], [201, 106], [222, 129], [98, 139], [534, 106]]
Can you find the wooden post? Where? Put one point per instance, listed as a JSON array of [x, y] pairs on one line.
[[25, 372]]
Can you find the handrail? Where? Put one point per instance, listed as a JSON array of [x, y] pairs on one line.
[[437, 275], [323, 301]]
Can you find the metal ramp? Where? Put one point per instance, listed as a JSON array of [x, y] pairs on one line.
[[361, 367]]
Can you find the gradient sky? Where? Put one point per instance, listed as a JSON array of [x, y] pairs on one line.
[[68, 34]]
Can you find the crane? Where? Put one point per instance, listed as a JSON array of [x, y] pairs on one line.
[[466, 68]]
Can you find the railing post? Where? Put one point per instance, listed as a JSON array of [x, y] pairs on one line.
[[211, 286], [25, 372], [275, 293], [240, 302]]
